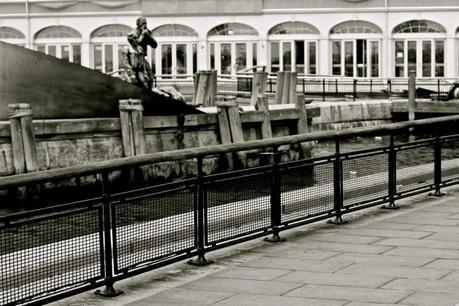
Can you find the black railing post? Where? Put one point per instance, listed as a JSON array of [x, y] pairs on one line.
[[438, 90], [389, 88], [200, 207], [354, 90], [371, 88], [323, 89], [109, 290], [437, 165], [392, 173], [337, 186], [275, 198]]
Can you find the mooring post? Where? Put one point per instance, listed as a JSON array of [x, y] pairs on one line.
[[131, 119], [279, 86], [302, 126], [25, 158], [260, 80], [263, 106]]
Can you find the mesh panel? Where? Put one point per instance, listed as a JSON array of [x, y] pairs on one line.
[[415, 168], [365, 179], [450, 160], [306, 190], [238, 206], [153, 227], [42, 256]]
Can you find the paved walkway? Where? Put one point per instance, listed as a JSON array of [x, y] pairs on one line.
[[408, 256]]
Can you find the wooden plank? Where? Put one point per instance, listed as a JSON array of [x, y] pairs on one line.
[[279, 86], [292, 97], [411, 95], [263, 107], [302, 126], [202, 88], [138, 132], [195, 86], [259, 83], [225, 133], [126, 129], [17, 146], [286, 88], [30, 146], [237, 135], [212, 90]]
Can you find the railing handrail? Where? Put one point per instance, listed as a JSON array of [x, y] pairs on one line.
[[119, 163]]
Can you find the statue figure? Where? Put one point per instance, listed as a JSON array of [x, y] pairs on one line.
[[137, 70]]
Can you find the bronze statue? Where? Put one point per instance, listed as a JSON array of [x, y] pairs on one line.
[[137, 69]]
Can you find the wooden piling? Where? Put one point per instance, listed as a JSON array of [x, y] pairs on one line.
[[24, 147], [286, 87], [262, 106], [259, 83], [412, 95], [205, 88], [279, 86], [302, 125], [131, 119], [225, 132], [292, 95]]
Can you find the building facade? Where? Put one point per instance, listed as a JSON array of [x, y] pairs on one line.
[[341, 38]]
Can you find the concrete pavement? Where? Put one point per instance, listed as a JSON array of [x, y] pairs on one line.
[[408, 256]]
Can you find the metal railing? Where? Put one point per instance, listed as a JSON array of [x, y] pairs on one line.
[[54, 252], [323, 88]]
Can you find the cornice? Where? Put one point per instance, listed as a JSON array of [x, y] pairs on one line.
[[360, 10]]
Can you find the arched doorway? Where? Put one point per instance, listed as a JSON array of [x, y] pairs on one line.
[[419, 46], [59, 41], [108, 42], [356, 46], [232, 48], [293, 47], [176, 54]]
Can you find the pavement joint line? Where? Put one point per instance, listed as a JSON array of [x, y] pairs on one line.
[[388, 282], [412, 292]]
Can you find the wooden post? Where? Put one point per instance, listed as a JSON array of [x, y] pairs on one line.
[[302, 125], [412, 95], [205, 88], [279, 86], [292, 97], [286, 87], [262, 105], [131, 118], [25, 158], [213, 87], [259, 83], [225, 132]]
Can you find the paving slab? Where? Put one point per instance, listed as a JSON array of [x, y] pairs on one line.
[[444, 264], [395, 271], [242, 286], [263, 300], [343, 247], [355, 294], [335, 279], [260, 273], [388, 233], [388, 224], [424, 252], [419, 243], [343, 237], [431, 299], [372, 304], [382, 259], [439, 286], [296, 264]]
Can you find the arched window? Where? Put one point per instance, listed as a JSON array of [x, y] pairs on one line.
[[355, 26], [10, 33], [173, 30], [177, 52], [293, 47], [419, 46], [12, 36], [233, 47], [232, 29], [59, 41], [419, 26], [356, 49], [108, 42], [294, 27]]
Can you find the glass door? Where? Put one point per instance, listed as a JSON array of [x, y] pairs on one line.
[[180, 59], [241, 56], [225, 59]]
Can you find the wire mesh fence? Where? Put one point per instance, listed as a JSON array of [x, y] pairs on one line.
[[47, 253]]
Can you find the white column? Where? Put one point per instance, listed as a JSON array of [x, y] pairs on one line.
[[263, 56], [86, 54], [202, 55], [450, 58], [386, 57], [324, 57]]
